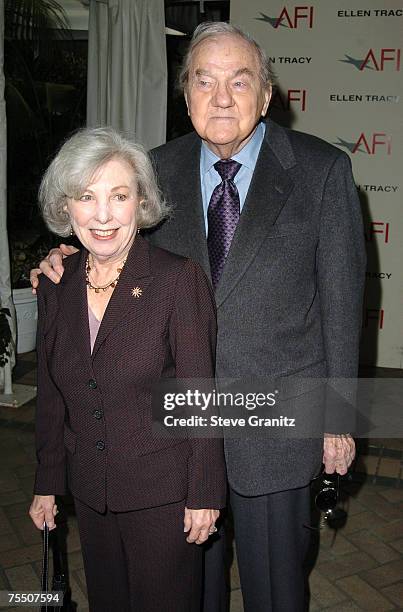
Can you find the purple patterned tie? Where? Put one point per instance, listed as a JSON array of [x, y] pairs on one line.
[[222, 217]]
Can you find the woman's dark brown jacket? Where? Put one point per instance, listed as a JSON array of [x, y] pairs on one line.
[[94, 410]]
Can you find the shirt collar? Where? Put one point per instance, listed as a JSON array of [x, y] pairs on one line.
[[247, 156]]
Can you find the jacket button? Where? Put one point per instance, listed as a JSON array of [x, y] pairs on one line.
[[98, 414], [92, 383], [100, 445]]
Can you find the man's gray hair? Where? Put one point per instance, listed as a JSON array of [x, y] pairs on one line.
[[76, 164], [212, 29]]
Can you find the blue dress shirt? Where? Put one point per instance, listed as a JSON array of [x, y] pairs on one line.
[[247, 156]]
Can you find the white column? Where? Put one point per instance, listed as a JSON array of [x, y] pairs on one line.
[[5, 280]]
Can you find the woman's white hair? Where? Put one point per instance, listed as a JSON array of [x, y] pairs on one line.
[[212, 29], [76, 164]]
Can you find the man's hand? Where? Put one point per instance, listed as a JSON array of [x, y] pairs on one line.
[[52, 265], [338, 453], [43, 510], [199, 524]]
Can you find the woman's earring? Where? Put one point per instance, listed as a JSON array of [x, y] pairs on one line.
[[71, 231]]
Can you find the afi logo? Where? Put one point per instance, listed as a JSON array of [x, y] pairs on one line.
[[374, 314], [378, 227], [290, 18], [301, 13], [295, 96], [372, 142], [376, 60]]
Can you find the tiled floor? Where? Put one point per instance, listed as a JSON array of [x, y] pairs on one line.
[[357, 567]]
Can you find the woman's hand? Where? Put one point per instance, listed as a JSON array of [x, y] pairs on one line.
[[199, 524], [52, 265], [43, 510]]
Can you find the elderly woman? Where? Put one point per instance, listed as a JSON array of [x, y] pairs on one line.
[[124, 313]]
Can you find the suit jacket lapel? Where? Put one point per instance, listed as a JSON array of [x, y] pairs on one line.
[[135, 276], [188, 212], [74, 304], [267, 194]]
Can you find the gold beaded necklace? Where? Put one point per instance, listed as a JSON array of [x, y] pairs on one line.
[[112, 284]]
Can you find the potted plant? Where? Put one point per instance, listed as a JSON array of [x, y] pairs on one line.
[[45, 96], [27, 249], [5, 337], [5, 353]]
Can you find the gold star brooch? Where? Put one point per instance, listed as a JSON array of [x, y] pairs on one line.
[[137, 292]]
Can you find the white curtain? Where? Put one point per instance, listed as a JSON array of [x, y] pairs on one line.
[[127, 68], [5, 281]]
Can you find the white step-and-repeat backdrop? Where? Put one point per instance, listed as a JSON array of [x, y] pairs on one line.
[[339, 68]]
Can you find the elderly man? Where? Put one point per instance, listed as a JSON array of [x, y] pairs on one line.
[[273, 217]]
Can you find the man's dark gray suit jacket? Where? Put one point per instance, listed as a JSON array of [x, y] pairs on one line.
[[290, 297]]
